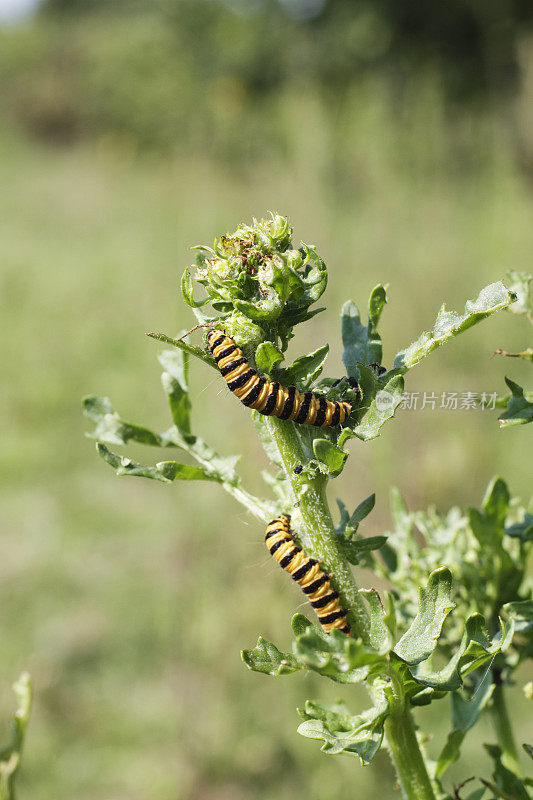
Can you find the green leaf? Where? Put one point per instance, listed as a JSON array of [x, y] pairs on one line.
[[519, 409], [475, 649], [335, 655], [488, 524], [362, 343], [267, 357], [165, 471], [519, 285], [191, 349], [362, 511], [187, 291], [304, 369], [266, 310], [111, 428], [174, 471], [521, 613], [528, 749], [330, 455], [449, 324], [266, 658], [382, 408], [175, 383], [343, 732], [465, 714], [507, 785], [496, 502], [315, 278], [522, 530], [381, 635], [10, 754], [435, 603], [354, 548]]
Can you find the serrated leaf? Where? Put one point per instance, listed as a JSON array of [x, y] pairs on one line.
[[335, 655], [175, 383], [266, 310], [165, 471], [304, 369], [174, 471], [435, 603], [10, 754], [382, 408], [449, 324], [519, 409], [475, 649], [330, 455], [315, 278], [343, 732], [381, 637], [267, 357], [111, 428], [266, 658], [362, 343], [465, 714]]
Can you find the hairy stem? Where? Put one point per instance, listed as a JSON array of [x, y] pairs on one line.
[[309, 497], [502, 726], [406, 756]]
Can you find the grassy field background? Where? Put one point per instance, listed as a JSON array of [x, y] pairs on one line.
[[128, 601]]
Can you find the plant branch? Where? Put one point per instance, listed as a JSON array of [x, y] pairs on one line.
[[407, 757], [318, 532], [502, 726]]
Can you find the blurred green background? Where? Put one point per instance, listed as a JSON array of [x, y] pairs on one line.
[[398, 137]]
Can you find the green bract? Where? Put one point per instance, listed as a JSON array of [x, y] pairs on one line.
[[257, 274], [458, 593]]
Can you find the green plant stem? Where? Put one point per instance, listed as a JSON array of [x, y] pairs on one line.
[[502, 726], [407, 757], [310, 502]]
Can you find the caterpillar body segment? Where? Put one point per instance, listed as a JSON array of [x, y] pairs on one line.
[[315, 583], [269, 397]]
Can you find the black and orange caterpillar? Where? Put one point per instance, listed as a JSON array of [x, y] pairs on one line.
[[269, 397], [307, 574]]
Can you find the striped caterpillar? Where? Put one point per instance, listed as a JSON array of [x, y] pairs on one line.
[[269, 397], [307, 574]]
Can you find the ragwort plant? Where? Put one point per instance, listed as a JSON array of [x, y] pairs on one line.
[[471, 565]]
